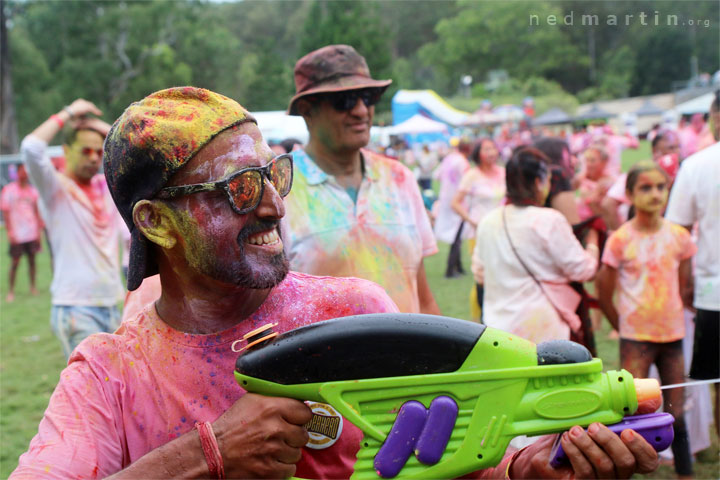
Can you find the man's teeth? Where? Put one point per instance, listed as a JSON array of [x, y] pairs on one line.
[[264, 239]]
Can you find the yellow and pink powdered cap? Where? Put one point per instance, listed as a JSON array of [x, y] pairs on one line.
[[151, 141]]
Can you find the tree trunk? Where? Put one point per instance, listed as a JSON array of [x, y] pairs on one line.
[[8, 123]]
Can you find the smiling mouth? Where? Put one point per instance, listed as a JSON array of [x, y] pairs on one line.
[[264, 238]]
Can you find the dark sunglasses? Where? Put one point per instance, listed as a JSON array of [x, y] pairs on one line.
[[245, 188], [345, 101], [87, 151]]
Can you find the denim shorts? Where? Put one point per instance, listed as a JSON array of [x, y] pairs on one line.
[[72, 324]]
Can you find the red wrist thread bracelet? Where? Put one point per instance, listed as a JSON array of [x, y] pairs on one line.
[[58, 120], [211, 449]]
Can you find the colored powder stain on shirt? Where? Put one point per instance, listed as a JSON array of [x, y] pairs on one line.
[[648, 299], [381, 237]]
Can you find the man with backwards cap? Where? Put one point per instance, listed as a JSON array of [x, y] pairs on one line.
[[202, 194], [353, 212]]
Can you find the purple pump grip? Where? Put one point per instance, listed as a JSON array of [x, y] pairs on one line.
[[436, 433], [400, 442], [424, 431], [655, 428]]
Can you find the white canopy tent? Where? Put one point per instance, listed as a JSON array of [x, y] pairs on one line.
[[699, 104], [417, 124], [277, 126]]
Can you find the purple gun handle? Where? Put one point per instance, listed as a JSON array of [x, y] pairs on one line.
[[400, 443], [656, 428]]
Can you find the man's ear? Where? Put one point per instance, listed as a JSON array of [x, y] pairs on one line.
[[153, 220], [304, 108]]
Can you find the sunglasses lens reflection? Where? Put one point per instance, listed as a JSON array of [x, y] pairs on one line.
[[246, 190], [281, 175]]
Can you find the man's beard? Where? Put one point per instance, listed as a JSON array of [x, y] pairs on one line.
[[259, 277]]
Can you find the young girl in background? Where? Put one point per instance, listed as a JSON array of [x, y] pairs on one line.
[[594, 182], [648, 260]]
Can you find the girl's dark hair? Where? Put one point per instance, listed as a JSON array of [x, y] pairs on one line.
[[477, 146], [642, 167], [553, 149], [526, 165]]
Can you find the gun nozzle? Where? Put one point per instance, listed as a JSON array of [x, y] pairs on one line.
[[648, 394]]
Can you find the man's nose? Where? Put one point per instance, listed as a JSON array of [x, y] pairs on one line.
[[271, 204], [360, 109]]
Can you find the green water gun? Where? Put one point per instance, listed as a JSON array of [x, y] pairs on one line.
[[438, 397]]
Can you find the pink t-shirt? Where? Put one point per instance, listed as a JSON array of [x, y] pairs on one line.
[[126, 394], [449, 174], [589, 192], [19, 206], [483, 191], [648, 300]]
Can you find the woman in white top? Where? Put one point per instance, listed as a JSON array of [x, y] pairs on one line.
[[526, 254], [481, 189]]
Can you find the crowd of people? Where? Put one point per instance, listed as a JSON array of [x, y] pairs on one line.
[[546, 213], [224, 233]]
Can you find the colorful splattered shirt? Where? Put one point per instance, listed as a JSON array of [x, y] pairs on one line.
[[381, 237], [648, 297], [126, 394]]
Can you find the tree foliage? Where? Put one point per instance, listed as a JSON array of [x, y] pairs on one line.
[[115, 52]]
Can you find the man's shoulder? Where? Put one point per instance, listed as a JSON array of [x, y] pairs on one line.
[[388, 170], [98, 346], [297, 279], [9, 188], [697, 163], [383, 161], [336, 291]]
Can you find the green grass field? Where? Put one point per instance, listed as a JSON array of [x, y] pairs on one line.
[[31, 358]]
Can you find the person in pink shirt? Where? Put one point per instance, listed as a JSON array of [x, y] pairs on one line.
[[19, 205], [481, 189], [692, 134], [201, 193], [594, 181], [449, 227], [647, 261], [526, 254]]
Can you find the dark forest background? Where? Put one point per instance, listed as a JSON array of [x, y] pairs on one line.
[[115, 52]]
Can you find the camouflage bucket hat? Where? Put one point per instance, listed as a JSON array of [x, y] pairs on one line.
[[334, 68]]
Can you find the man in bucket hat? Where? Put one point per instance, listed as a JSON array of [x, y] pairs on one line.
[[353, 212], [202, 193]]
